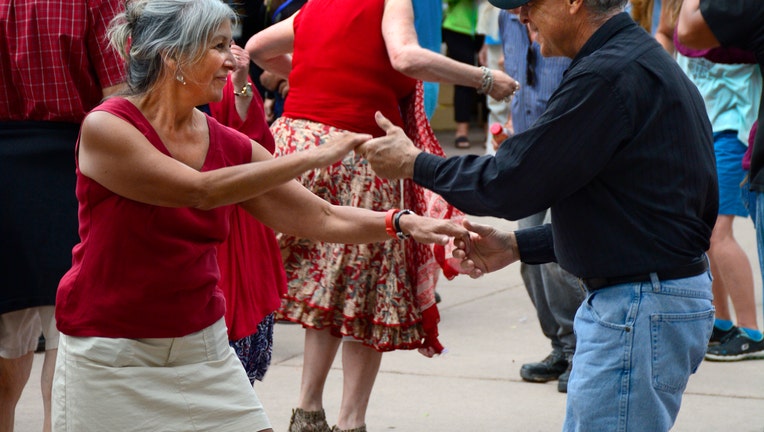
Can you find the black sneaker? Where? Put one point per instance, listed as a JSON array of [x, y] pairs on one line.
[[737, 347], [548, 369], [718, 336]]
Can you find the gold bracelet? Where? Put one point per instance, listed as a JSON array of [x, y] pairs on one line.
[[245, 91]]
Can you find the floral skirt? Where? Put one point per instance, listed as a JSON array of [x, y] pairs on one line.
[[362, 291]]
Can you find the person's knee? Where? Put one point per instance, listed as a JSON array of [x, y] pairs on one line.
[[722, 232], [14, 374]]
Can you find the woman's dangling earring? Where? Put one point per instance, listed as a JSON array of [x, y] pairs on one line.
[[180, 78]]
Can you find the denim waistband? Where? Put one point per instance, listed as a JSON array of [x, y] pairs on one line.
[[680, 272]]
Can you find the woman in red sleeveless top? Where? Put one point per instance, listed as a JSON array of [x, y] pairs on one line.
[[348, 60]]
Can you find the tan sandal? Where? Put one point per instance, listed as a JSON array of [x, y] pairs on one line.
[[358, 429], [308, 421]]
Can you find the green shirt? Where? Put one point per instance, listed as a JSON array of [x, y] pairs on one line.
[[461, 16]]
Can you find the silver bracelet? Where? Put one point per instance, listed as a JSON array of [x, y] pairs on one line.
[[487, 84]]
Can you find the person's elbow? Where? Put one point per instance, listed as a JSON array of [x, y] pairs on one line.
[[407, 60], [201, 198], [203, 193], [253, 48], [693, 32], [684, 35]]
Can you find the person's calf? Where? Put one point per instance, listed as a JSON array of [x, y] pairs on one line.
[[14, 374]]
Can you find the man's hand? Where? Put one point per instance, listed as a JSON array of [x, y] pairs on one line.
[[487, 250], [391, 156]]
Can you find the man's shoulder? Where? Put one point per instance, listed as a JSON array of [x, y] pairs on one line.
[[628, 52]]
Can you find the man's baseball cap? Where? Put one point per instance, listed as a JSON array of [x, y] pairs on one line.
[[508, 4]]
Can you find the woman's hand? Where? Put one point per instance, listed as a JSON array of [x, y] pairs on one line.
[[269, 108], [486, 250], [504, 86], [336, 148], [241, 72], [428, 230]]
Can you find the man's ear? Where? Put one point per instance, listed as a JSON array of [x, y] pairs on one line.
[[574, 6]]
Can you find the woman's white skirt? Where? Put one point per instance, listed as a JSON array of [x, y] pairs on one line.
[[190, 383]]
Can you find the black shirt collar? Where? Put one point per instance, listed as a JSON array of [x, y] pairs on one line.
[[603, 34]]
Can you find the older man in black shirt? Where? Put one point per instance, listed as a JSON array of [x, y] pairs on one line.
[[624, 157]]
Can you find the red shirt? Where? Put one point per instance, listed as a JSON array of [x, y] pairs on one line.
[[341, 72], [55, 58], [254, 126], [252, 276], [144, 271]]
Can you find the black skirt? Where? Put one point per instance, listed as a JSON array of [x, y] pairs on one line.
[[38, 210]]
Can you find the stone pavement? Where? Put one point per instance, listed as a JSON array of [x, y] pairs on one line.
[[490, 329]]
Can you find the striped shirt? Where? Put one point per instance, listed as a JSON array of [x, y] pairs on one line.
[[623, 155], [55, 58], [530, 101]]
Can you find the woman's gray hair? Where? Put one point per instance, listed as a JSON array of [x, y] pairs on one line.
[[150, 31]]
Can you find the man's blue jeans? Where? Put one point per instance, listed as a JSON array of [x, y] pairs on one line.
[[638, 344]]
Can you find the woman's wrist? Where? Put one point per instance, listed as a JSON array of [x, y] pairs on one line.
[[243, 91], [486, 82], [397, 224], [393, 223]]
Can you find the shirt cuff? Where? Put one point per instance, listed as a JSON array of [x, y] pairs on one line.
[[536, 244], [425, 166]]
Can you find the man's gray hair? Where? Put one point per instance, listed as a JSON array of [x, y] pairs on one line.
[[605, 7], [150, 31]]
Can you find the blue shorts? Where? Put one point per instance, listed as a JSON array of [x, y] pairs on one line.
[[729, 168]]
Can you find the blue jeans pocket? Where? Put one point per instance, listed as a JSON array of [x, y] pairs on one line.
[[679, 342], [613, 308]]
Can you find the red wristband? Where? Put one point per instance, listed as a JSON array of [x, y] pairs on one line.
[[389, 222]]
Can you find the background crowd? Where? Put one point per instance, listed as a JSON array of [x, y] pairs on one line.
[[90, 176]]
